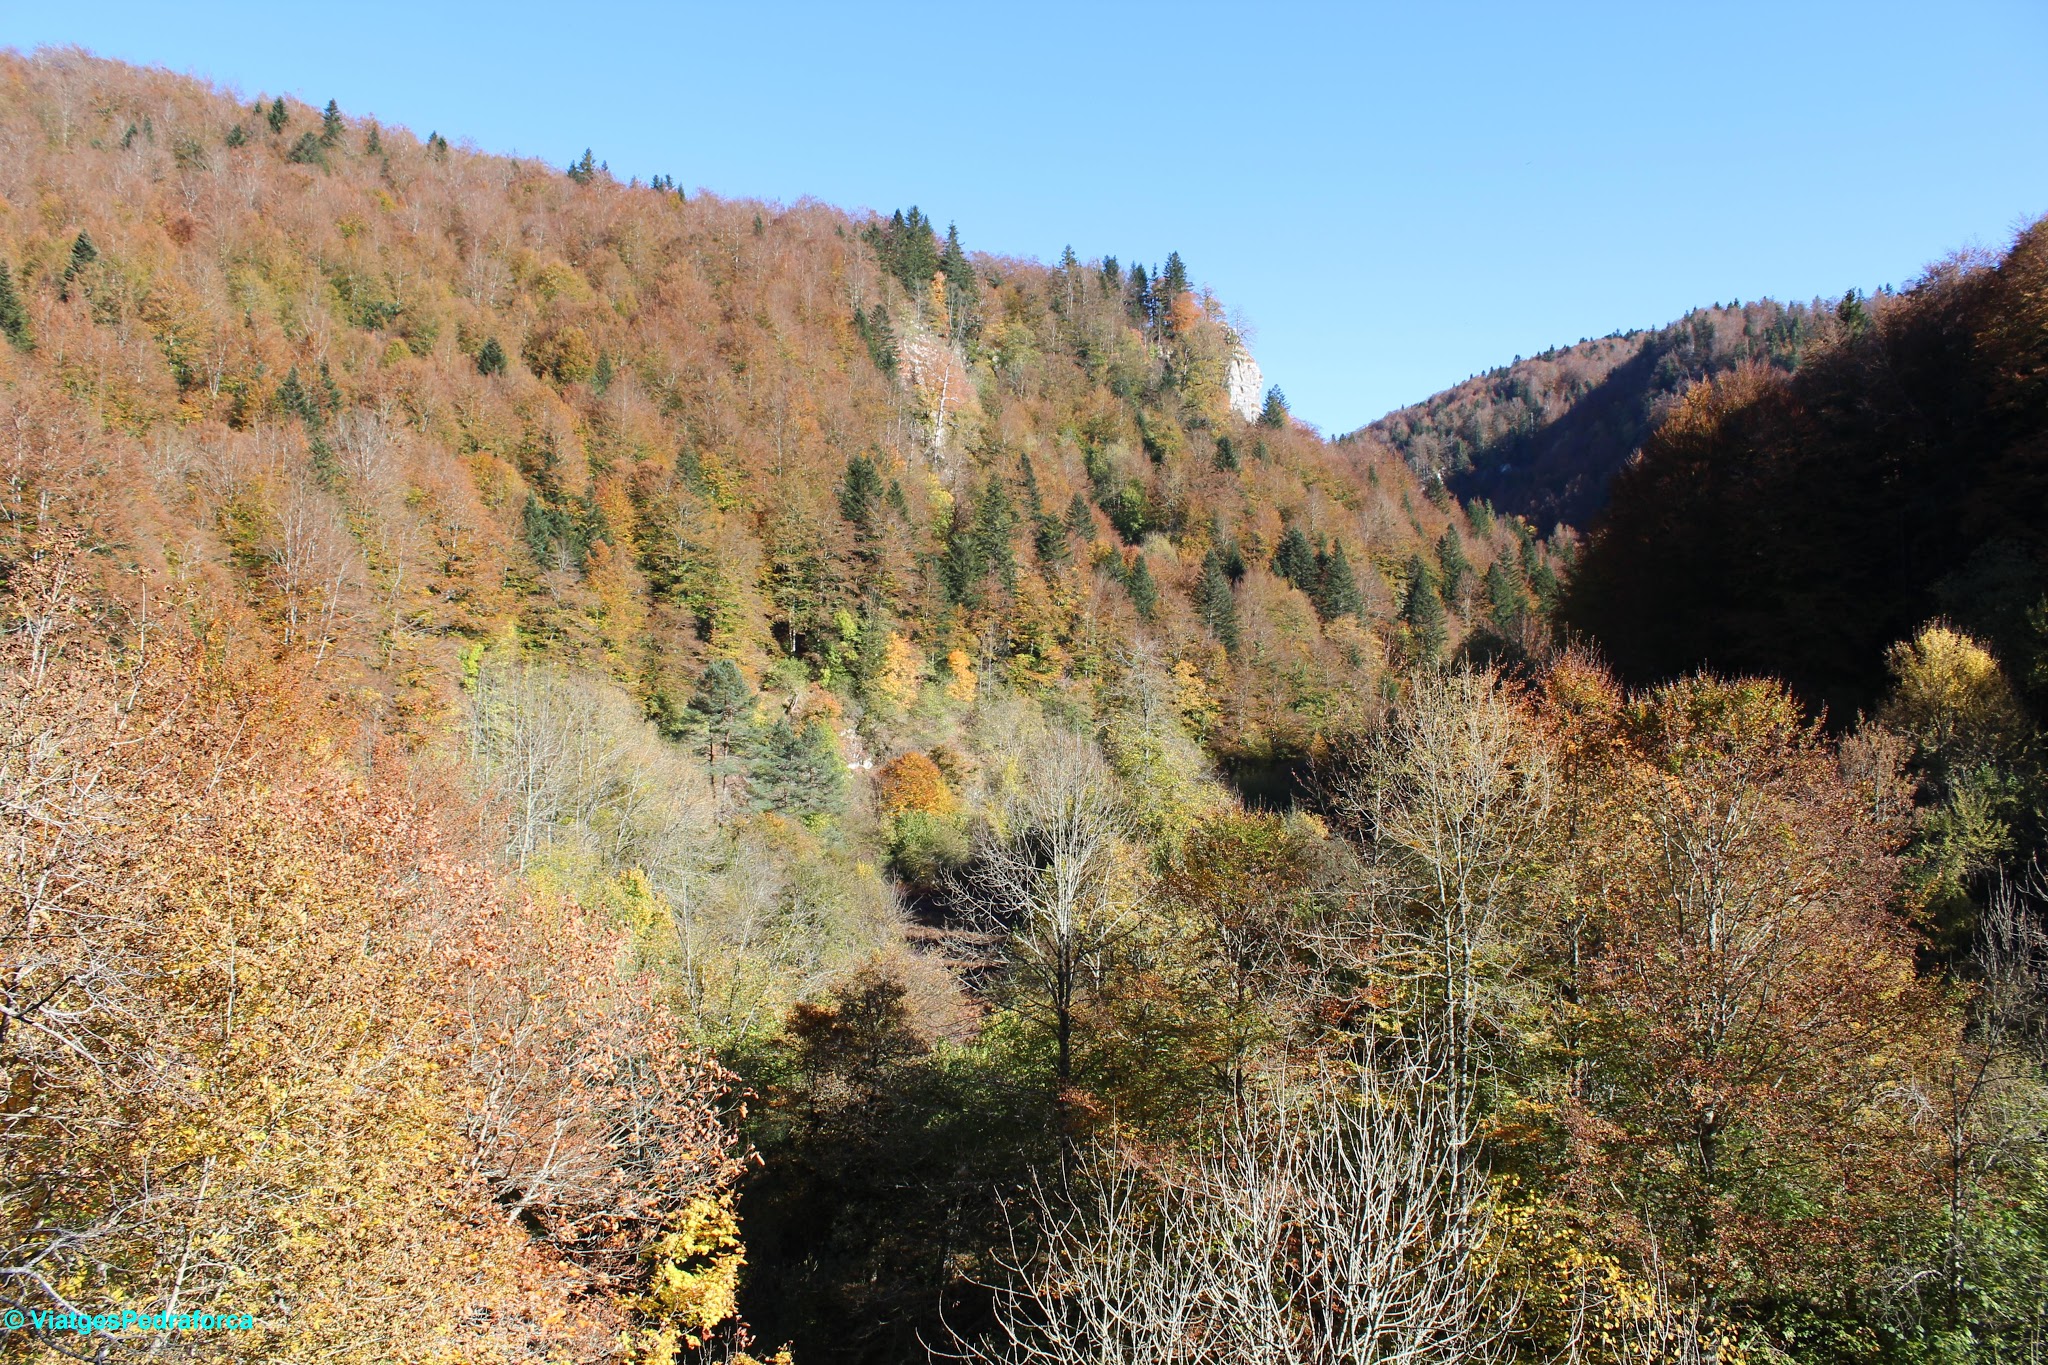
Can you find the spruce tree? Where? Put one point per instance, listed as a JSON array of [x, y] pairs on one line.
[[1274, 414], [1423, 611], [237, 136], [491, 359], [374, 143], [13, 313], [330, 124], [1173, 282], [1505, 598], [1080, 522], [1450, 558], [860, 493], [293, 399], [720, 718], [1214, 602], [995, 517], [1337, 591], [1143, 590], [1295, 561], [1226, 455], [796, 770], [278, 115]]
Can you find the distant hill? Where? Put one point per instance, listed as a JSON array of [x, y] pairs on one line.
[[1797, 525], [1544, 437]]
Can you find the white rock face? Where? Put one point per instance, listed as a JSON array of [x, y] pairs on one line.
[[1246, 385]]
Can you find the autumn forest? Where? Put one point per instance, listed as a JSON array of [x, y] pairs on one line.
[[594, 772]]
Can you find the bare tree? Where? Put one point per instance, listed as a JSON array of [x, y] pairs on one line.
[[1344, 1223], [1048, 882]]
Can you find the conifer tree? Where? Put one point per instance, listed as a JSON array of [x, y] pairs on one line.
[[995, 517], [1173, 282], [374, 143], [330, 124], [1214, 602], [1080, 522], [491, 359], [1274, 414], [293, 399], [1505, 597], [1451, 561], [797, 771], [278, 115], [1423, 611], [720, 718], [237, 136], [1226, 454], [307, 151], [860, 493], [1295, 561], [1143, 590], [14, 313], [1337, 591]]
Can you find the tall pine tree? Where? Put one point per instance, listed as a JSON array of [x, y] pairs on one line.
[[14, 313], [1214, 602], [1451, 562], [1423, 612]]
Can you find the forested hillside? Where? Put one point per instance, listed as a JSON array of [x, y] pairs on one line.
[[1543, 438], [597, 773]]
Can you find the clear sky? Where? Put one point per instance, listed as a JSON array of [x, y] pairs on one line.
[[1393, 196]]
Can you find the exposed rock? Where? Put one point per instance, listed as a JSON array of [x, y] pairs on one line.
[[1244, 382]]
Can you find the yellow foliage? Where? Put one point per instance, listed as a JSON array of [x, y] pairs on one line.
[[902, 670], [693, 1282], [1949, 696], [960, 679]]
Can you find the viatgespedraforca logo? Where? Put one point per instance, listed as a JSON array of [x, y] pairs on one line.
[[114, 1322]]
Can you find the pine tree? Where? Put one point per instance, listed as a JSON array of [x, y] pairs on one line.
[[1274, 414], [1423, 611], [328, 400], [1080, 522], [491, 359], [330, 124], [1143, 590], [1138, 299], [1214, 602], [1295, 561], [307, 151], [1226, 455], [995, 518], [237, 136], [374, 143], [860, 492], [13, 313], [1173, 282], [1337, 591], [293, 399], [1450, 558], [797, 771], [720, 718], [278, 115], [1505, 598]]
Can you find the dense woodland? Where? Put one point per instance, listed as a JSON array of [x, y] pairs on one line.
[[1543, 438], [594, 772]]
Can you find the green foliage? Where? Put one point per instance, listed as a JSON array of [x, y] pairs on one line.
[[583, 170], [331, 126], [907, 248], [1295, 561], [873, 328], [1274, 413], [14, 322], [1422, 610], [1452, 564], [1215, 603], [1337, 593], [797, 770], [490, 358], [308, 151], [278, 115], [1143, 590]]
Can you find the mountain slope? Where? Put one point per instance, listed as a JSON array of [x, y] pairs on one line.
[[1798, 525], [1543, 437]]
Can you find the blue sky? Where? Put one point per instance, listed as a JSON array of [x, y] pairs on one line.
[[1393, 196]]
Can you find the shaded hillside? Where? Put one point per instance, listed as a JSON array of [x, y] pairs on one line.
[[1543, 437], [1798, 525]]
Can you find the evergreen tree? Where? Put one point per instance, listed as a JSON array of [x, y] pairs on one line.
[[307, 151], [491, 359], [1214, 602], [995, 518], [14, 313], [1173, 282], [1080, 522], [293, 399], [1423, 611], [237, 136], [1138, 300], [330, 124], [1143, 589], [1295, 561], [278, 115], [374, 143], [328, 400], [1274, 414], [860, 494], [1451, 561], [1337, 591], [719, 717], [880, 338], [1505, 597], [1226, 454], [796, 770], [963, 288], [583, 170]]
